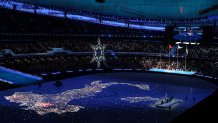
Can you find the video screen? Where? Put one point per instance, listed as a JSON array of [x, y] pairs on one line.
[[189, 31]]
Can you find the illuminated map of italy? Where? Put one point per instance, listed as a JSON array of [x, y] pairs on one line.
[[58, 103]]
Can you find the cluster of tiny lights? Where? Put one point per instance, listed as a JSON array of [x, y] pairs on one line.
[[58, 103]]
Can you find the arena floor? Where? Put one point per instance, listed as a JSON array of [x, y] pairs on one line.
[[107, 97]]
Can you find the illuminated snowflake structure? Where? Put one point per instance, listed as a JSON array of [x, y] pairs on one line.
[[98, 55]]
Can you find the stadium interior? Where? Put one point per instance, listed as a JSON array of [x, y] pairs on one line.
[[103, 61]]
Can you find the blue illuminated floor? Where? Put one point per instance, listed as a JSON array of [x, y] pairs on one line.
[[16, 77], [104, 98]]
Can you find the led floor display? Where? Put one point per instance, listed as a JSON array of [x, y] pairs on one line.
[[109, 97]]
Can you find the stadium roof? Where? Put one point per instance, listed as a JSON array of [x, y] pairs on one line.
[[169, 9]]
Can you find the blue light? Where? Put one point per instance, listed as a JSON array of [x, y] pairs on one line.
[[172, 71], [16, 77], [98, 69], [7, 81], [55, 73], [138, 69], [69, 71], [127, 69], [50, 12], [44, 74], [117, 69], [88, 69], [20, 73]]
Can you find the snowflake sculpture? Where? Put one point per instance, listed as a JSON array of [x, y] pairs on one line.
[[98, 55]]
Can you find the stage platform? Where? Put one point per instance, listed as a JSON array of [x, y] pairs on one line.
[[16, 77], [168, 103], [172, 71]]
